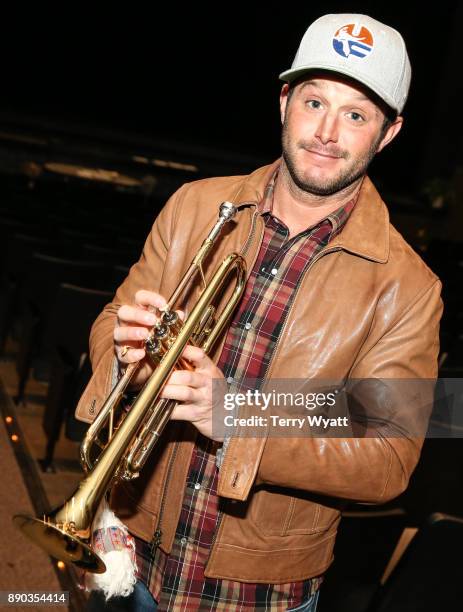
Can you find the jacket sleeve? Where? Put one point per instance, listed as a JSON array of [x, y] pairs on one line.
[[375, 464], [147, 273]]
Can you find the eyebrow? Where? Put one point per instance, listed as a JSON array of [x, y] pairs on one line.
[[320, 85]]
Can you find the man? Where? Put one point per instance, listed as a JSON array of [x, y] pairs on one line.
[[333, 292]]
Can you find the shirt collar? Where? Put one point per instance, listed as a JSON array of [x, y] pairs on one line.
[[337, 218]]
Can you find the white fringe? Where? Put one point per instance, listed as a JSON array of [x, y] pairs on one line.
[[120, 576]]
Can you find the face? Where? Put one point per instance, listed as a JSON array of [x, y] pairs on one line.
[[331, 132]]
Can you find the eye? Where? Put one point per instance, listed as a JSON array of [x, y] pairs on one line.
[[314, 104], [356, 117]]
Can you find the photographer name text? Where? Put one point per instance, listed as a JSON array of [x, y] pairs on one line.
[[274, 420]]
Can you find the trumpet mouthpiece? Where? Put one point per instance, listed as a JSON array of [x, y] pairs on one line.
[[227, 211]]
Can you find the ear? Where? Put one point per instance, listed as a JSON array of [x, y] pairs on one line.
[[283, 101], [391, 133]]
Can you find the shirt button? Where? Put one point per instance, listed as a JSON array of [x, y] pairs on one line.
[[248, 326], [183, 541], [230, 380], [197, 486], [274, 271]]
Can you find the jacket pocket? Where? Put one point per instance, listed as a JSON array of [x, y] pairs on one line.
[[281, 514]]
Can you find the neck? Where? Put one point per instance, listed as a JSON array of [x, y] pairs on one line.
[[299, 209]]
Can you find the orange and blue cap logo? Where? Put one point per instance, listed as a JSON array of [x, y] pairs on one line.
[[353, 39]]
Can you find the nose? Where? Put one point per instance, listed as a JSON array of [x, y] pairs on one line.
[[327, 129]]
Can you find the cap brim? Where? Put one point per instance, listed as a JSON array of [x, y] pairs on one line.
[[294, 73]]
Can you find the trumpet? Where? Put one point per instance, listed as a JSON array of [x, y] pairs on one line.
[[65, 533]]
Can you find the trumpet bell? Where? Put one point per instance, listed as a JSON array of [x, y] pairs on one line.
[[59, 544]]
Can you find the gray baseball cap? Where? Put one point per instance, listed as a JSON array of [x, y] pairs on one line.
[[359, 47]]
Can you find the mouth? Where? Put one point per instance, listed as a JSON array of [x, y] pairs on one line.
[[322, 155]]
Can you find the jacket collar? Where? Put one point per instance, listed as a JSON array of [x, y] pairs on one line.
[[366, 232]]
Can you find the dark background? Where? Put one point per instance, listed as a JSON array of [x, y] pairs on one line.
[[207, 74], [98, 86]]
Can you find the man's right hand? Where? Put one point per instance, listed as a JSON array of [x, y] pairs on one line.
[[133, 326]]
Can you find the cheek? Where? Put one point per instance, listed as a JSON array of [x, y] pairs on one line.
[[298, 127], [361, 147]]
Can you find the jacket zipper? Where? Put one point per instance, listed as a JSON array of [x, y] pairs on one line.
[[245, 248], [217, 527], [157, 536]]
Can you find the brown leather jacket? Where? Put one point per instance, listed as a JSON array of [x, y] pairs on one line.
[[367, 307]]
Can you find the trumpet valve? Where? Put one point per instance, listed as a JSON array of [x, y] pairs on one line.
[[154, 349], [171, 319]]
